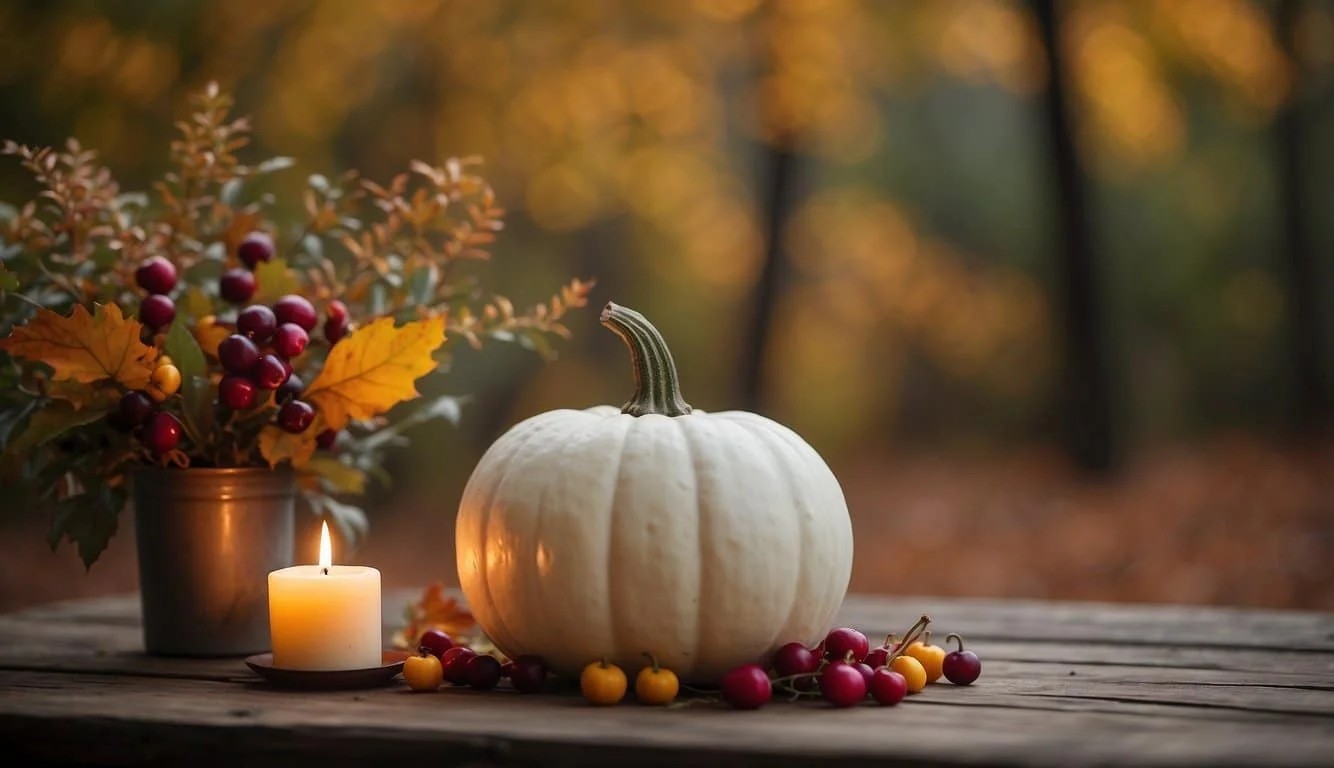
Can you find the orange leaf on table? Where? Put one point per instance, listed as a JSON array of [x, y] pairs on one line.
[[435, 610], [85, 347], [374, 369]]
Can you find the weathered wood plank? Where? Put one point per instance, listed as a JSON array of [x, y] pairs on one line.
[[1064, 684], [173, 719]]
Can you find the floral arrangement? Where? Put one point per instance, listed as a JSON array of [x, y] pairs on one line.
[[185, 327]]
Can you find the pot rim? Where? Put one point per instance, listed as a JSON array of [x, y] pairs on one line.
[[213, 471]]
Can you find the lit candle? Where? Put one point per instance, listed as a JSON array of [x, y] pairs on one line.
[[326, 616]]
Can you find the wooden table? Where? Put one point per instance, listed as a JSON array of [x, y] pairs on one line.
[[1063, 684]]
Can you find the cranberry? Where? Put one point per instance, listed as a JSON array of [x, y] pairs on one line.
[[878, 657], [455, 664], [270, 372], [292, 388], [136, 407], [747, 687], [483, 672], [326, 439], [961, 667], [840, 641], [156, 275], [795, 659], [157, 311], [237, 286], [238, 354], [888, 687], [256, 247], [296, 416], [256, 321], [842, 685], [336, 310], [290, 340], [237, 392], [335, 330], [162, 432], [528, 674], [435, 642], [866, 671], [296, 309]]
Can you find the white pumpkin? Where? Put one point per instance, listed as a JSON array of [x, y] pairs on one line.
[[707, 540]]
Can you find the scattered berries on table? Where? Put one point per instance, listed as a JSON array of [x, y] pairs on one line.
[[930, 656], [912, 672], [528, 674], [454, 664], [483, 672], [747, 687], [435, 642], [795, 659], [888, 687], [843, 641]]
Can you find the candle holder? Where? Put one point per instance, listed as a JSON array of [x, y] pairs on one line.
[[329, 680]]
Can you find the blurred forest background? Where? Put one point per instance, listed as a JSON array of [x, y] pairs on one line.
[[1049, 285]]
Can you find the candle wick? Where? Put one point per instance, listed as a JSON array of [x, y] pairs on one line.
[[326, 570]]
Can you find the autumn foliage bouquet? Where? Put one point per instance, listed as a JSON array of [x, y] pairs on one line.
[[185, 327]]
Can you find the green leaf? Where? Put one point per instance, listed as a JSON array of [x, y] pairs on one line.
[[275, 281], [12, 416], [351, 520], [8, 280], [88, 520], [447, 407], [196, 303], [196, 394], [423, 283], [51, 422]]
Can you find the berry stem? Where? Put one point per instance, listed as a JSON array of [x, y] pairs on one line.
[[909, 637], [955, 637], [652, 660]]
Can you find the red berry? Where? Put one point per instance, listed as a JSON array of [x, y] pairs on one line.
[[528, 674], [483, 672], [136, 407], [237, 286], [840, 641], [326, 439], [237, 392], [435, 642], [270, 372], [336, 310], [156, 275], [878, 657], [888, 687], [455, 664], [335, 330], [157, 311], [291, 388], [256, 247], [960, 667], [162, 432], [296, 416], [290, 340], [256, 321], [747, 687], [238, 354], [795, 659], [866, 671], [842, 684], [295, 309]]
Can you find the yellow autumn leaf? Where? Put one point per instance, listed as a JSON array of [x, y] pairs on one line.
[[374, 369], [277, 445], [274, 280], [210, 334], [85, 347]]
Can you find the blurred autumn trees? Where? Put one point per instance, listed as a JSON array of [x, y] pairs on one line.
[[843, 212]]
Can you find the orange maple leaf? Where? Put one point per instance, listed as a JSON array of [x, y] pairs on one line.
[[85, 347], [374, 369], [435, 610]]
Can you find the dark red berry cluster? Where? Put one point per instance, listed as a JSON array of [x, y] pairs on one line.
[[463, 666]]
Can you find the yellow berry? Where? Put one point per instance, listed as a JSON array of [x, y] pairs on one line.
[[912, 672], [602, 683], [655, 685], [423, 672], [166, 380], [164, 360], [932, 657]]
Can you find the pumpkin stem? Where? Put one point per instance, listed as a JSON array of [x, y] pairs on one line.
[[657, 389]]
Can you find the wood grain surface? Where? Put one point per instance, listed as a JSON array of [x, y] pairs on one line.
[[1063, 684]]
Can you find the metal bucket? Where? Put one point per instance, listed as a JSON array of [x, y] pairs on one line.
[[207, 541]]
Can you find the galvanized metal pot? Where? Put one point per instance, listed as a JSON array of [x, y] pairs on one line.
[[207, 541]]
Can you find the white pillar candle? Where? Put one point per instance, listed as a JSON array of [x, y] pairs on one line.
[[325, 617]]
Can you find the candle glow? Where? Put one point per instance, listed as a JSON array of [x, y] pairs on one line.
[[325, 616]]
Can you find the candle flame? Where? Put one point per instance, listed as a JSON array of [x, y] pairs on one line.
[[326, 549]]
